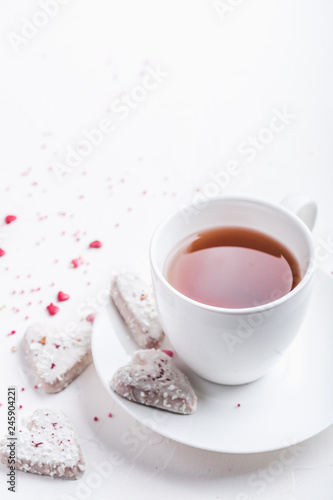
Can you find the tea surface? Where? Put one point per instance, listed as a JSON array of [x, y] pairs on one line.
[[232, 267]]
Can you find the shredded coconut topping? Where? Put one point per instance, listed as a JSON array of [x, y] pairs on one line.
[[136, 303], [152, 378], [47, 445], [57, 356]]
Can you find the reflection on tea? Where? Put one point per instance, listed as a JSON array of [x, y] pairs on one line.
[[232, 267]]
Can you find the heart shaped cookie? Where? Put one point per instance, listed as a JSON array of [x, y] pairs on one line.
[[46, 445], [56, 357], [151, 378], [135, 301]]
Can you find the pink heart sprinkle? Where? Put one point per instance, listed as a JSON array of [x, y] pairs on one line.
[[62, 296], [2, 252], [95, 244], [77, 262], [169, 353], [10, 218], [52, 309], [91, 317]]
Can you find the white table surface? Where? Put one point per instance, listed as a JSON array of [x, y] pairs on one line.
[[224, 78]]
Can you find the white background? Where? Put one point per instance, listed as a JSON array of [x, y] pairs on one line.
[[225, 75]]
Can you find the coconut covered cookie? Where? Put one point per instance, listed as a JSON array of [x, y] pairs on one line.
[[46, 445], [151, 378], [56, 357], [135, 302]]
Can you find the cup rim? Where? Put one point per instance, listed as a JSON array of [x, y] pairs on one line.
[[245, 310]]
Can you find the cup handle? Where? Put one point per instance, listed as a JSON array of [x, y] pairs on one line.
[[302, 206]]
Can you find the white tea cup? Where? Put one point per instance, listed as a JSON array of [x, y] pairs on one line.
[[234, 346]]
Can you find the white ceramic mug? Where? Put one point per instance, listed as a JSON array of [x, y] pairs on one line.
[[234, 346]]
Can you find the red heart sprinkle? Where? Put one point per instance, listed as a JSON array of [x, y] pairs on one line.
[[95, 244], [62, 296], [52, 309], [2, 252], [169, 353], [77, 262], [10, 218], [52, 366]]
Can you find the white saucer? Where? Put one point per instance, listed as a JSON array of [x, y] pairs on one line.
[[289, 405]]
